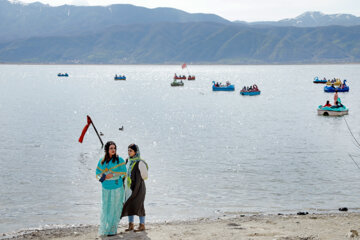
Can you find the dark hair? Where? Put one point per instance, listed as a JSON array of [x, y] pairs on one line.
[[107, 155], [134, 147]]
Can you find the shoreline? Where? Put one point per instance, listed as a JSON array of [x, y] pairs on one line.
[[341, 225], [176, 64]]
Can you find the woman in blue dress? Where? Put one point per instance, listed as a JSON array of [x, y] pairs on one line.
[[111, 172]]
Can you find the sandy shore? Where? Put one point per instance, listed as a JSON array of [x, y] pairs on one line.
[[282, 227]]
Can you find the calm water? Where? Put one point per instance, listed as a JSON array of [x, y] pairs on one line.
[[210, 153]]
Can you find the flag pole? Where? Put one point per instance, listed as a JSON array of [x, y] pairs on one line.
[[185, 66], [102, 144]]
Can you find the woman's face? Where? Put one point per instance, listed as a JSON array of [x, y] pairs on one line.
[[131, 152], [112, 150]]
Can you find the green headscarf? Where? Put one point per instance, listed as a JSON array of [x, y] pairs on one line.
[[133, 161]]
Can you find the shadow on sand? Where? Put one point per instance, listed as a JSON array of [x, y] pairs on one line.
[[128, 236]]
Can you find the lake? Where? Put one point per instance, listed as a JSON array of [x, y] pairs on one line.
[[209, 153]]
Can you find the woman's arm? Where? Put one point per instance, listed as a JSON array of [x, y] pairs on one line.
[[143, 170]]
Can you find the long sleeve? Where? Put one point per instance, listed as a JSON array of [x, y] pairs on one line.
[[143, 170], [98, 170]]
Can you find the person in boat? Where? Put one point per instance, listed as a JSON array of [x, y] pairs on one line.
[[135, 188], [336, 97], [338, 104], [111, 172], [327, 104]]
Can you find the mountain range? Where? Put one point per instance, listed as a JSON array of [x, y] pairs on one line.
[[312, 19], [119, 34]]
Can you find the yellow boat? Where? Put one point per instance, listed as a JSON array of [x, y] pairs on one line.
[[336, 83]]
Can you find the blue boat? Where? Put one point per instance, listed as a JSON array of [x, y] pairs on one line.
[[63, 75], [317, 80], [229, 87], [342, 88], [250, 91], [119, 77]]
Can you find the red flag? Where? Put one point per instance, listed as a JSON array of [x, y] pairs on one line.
[[183, 66], [85, 129]]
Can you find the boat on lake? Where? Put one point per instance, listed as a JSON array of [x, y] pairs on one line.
[[180, 77], [119, 77], [322, 81], [333, 82], [341, 88], [177, 83], [63, 75], [250, 91], [332, 111], [220, 87]]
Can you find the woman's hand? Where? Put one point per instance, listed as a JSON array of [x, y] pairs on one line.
[[110, 175]]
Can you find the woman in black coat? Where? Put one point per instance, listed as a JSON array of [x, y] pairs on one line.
[[135, 188]]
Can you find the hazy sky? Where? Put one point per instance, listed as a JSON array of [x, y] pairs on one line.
[[246, 10]]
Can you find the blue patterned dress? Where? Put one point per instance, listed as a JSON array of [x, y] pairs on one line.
[[112, 195]]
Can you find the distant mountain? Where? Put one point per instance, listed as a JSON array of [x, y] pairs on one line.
[[21, 21], [38, 33], [192, 42], [312, 19]]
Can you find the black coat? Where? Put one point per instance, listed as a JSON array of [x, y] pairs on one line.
[[135, 204]]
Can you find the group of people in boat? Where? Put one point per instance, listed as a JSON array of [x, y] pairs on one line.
[[180, 76], [120, 76], [341, 86], [337, 102], [332, 80], [253, 88], [217, 84], [123, 189]]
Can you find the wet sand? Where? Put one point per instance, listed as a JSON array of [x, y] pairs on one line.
[[281, 227]]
